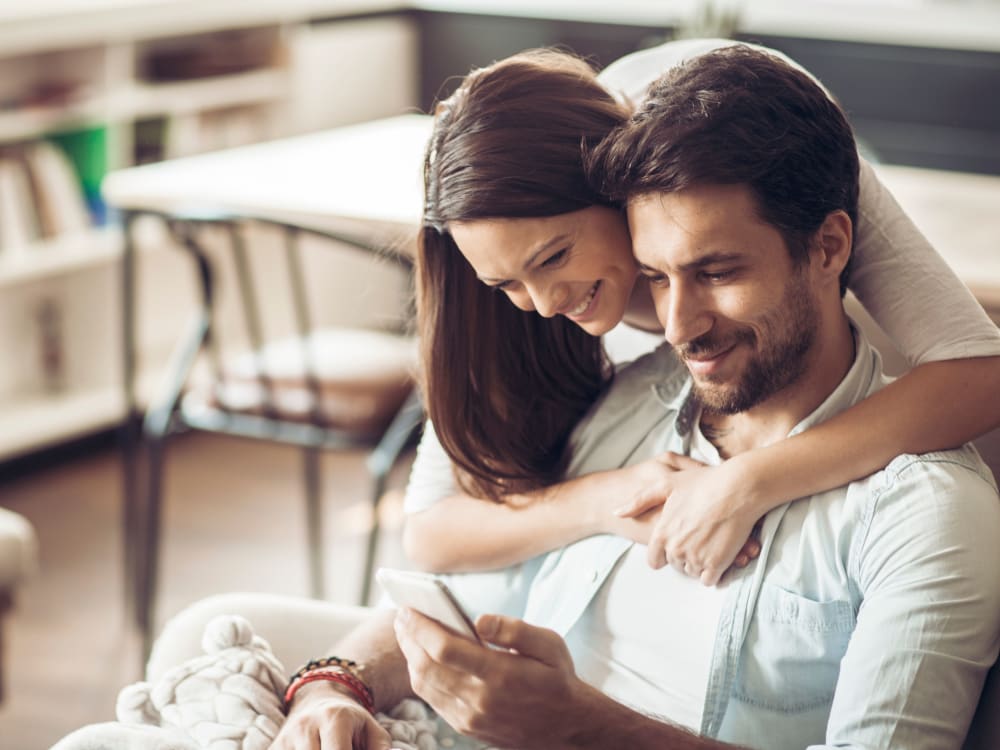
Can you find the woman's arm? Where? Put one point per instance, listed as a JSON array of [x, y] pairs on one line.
[[459, 533]]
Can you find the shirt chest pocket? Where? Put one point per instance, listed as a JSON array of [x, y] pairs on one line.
[[791, 658]]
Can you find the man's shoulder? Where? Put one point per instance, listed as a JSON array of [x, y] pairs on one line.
[[951, 482], [639, 398], [658, 372], [963, 463]]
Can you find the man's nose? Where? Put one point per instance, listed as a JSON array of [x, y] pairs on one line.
[[686, 316], [548, 299]]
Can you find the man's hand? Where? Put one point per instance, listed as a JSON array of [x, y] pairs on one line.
[[706, 522], [323, 717], [524, 695]]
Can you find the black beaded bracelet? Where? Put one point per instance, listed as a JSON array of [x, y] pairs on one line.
[[348, 665]]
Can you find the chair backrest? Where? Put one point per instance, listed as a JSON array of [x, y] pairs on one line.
[[265, 340]]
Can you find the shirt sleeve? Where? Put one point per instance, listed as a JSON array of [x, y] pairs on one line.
[[928, 626], [431, 477], [628, 77], [909, 289]]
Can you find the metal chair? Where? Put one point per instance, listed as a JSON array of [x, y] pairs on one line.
[[291, 390]]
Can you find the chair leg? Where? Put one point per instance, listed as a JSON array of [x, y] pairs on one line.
[[129, 438], [147, 553], [6, 603], [380, 461], [314, 521], [371, 553]]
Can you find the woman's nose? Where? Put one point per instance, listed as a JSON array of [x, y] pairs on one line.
[[549, 299]]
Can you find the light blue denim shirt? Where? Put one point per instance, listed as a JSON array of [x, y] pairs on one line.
[[869, 619]]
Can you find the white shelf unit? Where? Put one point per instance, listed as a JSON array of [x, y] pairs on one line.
[[60, 296]]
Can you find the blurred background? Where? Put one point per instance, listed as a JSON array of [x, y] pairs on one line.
[[90, 87]]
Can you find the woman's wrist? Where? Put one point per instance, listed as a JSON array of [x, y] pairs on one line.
[[758, 483], [600, 496]]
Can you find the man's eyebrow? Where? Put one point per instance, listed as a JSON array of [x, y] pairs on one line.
[[557, 240], [720, 256]]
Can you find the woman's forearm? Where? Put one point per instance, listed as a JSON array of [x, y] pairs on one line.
[[462, 533], [935, 406]]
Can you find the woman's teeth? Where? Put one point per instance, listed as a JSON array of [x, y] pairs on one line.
[[579, 309]]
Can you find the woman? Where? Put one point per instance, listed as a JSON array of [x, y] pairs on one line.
[[510, 218]]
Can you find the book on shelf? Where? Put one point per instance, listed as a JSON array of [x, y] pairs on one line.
[[19, 225], [40, 196], [87, 150], [60, 202]]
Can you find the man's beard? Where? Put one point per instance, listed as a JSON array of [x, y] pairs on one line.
[[788, 335]]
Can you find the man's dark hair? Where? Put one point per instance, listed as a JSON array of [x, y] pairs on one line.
[[738, 115]]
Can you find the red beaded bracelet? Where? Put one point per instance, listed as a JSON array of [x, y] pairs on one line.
[[338, 675]]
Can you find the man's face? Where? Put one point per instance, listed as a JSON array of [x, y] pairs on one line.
[[739, 312]]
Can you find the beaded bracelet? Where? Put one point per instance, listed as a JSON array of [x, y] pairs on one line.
[[340, 675], [330, 661]]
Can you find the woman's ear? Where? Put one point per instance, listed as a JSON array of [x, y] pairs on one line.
[[833, 244]]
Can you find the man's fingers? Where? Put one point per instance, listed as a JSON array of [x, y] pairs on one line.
[[751, 549], [678, 461], [541, 644], [376, 738]]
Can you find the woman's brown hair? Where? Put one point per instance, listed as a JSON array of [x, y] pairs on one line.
[[504, 387]]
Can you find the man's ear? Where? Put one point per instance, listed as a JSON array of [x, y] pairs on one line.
[[833, 243]]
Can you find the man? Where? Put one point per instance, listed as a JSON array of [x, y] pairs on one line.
[[872, 614]]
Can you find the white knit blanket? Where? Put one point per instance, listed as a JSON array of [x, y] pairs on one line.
[[229, 699]]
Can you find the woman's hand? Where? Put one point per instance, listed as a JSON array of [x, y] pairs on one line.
[[707, 517]]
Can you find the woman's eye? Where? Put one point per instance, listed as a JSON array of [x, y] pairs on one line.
[[556, 257]]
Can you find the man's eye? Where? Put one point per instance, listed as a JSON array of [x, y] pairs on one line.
[[657, 279], [717, 276], [502, 286], [555, 258]]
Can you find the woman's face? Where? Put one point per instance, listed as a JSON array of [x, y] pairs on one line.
[[577, 264]]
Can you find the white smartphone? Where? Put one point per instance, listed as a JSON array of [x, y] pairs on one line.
[[427, 595]]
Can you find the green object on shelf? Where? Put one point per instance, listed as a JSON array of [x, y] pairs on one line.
[[87, 149]]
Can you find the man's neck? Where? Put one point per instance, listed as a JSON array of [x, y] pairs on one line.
[[772, 420]]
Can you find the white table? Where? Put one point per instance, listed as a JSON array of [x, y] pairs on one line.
[[366, 178]]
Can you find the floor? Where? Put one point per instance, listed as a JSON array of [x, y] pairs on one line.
[[233, 521]]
